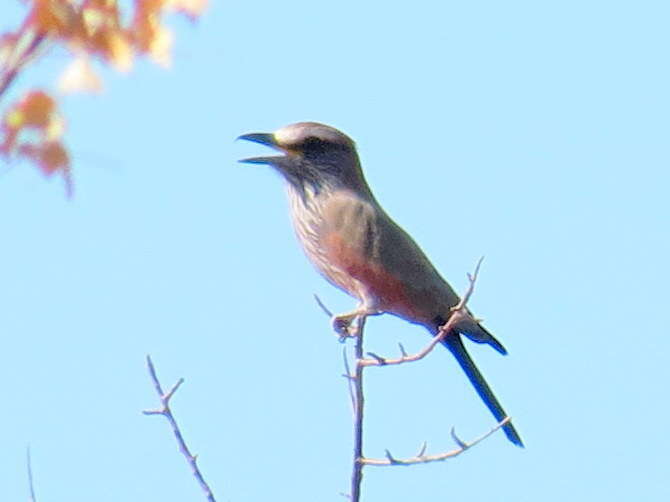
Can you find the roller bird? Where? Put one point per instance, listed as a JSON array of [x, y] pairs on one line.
[[356, 245]]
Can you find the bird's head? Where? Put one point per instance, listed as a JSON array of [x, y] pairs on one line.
[[312, 153]]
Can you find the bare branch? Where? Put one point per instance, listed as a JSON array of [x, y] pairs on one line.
[[359, 402], [29, 466], [377, 360], [422, 458], [167, 413]]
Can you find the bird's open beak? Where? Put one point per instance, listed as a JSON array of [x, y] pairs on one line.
[[264, 139]]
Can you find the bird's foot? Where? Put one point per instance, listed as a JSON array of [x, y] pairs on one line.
[[343, 326], [349, 325]]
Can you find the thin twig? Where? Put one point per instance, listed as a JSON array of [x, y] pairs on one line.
[[377, 360], [322, 305], [167, 413], [422, 458], [23, 52], [472, 278], [29, 465]]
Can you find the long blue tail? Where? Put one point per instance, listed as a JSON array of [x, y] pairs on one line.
[[454, 343]]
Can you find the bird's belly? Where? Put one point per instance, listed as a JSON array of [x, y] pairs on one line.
[[367, 280]]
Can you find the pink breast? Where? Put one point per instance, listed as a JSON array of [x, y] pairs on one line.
[[389, 293]]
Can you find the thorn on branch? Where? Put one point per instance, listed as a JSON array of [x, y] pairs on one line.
[[381, 360], [461, 444]]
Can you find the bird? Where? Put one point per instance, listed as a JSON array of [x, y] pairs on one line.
[[355, 245]]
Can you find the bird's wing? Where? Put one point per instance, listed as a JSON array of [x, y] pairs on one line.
[[360, 238]]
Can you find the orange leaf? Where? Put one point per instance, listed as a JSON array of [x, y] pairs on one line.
[[53, 158], [36, 109], [58, 17]]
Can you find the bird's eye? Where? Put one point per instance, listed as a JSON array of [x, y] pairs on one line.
[[312, 141], [313, 145]]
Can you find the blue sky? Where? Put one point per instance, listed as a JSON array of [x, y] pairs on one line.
[[533, 133]]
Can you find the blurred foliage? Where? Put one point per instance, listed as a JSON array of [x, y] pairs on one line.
[[91, 30]]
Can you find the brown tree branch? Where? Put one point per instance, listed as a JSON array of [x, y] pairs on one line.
[[167, 413]]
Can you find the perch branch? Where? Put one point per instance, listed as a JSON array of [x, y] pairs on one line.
[[359, 402]]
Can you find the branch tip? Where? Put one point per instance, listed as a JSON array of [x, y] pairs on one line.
[[167, 413], [174, 388], [322, 305]]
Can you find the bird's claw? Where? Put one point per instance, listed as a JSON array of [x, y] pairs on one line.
[[342, 325], [349, 325]]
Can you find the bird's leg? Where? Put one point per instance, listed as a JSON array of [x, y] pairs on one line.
[[347, 325]]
